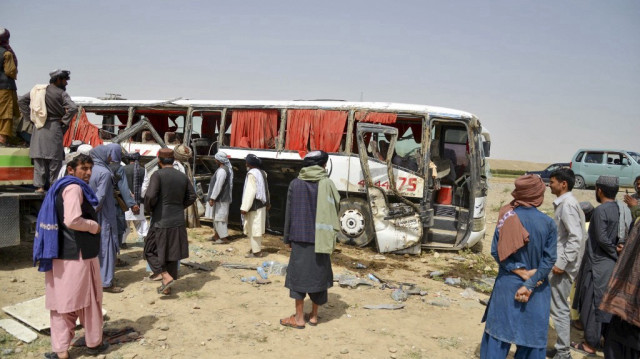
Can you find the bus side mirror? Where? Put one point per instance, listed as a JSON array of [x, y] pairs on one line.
[[486, 148]]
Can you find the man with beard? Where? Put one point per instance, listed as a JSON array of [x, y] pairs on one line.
[[46, 148], [633, 200], [68, 228], [255, 203], [524, 245], [219, 196], [310, 229], [134, 172], [606, 233], [169, 193], [570, 220]]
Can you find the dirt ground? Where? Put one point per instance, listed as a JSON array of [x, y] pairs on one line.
[[215, 314]]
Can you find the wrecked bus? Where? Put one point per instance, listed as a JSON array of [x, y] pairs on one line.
[[379, 159]]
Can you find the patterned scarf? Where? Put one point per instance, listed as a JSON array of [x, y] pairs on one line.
[[622, 297]]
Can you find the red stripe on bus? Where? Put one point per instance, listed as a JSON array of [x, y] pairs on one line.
[[16, 173]]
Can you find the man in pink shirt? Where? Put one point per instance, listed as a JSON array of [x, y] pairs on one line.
[[73, 285]]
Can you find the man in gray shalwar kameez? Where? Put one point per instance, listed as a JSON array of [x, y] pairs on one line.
[[102, 183], [46, 148], [600, 256], [219, 197]]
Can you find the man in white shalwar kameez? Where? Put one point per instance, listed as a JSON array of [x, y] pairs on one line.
[[219, 197], [255, 203]]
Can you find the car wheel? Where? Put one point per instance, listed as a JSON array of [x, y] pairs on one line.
[[356, 224], [579, 183]]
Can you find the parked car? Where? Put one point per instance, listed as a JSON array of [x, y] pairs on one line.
[[545, 173], [589, 164]]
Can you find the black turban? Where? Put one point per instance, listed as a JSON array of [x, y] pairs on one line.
[[315, 158], [253, 160]]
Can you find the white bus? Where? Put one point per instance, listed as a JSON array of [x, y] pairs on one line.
[[379, 159]]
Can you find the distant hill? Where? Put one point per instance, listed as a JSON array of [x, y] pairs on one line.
[[516, 165]]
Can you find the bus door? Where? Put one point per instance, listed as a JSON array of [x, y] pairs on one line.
[[396, 221]]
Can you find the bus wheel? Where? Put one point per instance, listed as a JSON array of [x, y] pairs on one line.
[[356, 225]]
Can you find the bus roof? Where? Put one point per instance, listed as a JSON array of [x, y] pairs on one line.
[[337, 105]]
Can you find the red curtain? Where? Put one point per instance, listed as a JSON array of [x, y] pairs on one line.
[[210, 121], [320, 129], [416, 129], [384, 118], [160, 123], [86, 132], [254, 128]]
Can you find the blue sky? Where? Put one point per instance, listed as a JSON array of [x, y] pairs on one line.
[[545, 77]]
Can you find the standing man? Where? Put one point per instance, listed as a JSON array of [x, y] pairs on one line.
[[46, 148], [600, 257], [633, 200], [124, 199], [311, 226], [134, 174], [524, 245], [8, 89], [622, 299], [219, 197], [169, 193], [255, 203], [102, 183], [570, 221], [72, 278]]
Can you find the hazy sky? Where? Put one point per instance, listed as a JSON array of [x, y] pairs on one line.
[[545, 77]]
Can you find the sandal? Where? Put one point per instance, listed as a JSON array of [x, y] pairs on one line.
[[579, 347], [254, 255], [291, 323], [164, 287], [307, 318], [99, 349], [113, 289], [220, 241], [54, 355]]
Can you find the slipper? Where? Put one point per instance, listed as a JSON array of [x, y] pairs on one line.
[[219, 241], [99, 349], [307, 318], [291, 323], [54, 355], [254, 255], [579, 347], [152, 278], [164, 287], [113, 289]]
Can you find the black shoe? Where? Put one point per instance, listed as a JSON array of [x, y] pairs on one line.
[[99, 349], [552, 352]]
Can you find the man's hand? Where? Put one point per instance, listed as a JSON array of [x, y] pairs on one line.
[[135, 209], [99, 229], [630, 201], [556, 270], [619, 248], [523, 273], [211, 202], [522, 295], [243, 212]]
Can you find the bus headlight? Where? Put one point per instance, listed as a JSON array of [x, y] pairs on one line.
[[478, 224]]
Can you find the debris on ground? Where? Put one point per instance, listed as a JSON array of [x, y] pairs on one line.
[[452, 281], [196, 266], [399, 295], [239, 266], [384, 306]]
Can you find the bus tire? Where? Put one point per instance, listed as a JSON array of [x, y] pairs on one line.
[[356, 223]]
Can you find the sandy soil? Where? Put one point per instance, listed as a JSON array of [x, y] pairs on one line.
[[215, 314]]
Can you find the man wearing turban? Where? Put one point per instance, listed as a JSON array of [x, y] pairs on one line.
[[524, 245], [219, 197], [255, 202]]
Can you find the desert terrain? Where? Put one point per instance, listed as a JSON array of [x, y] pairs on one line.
[[214, 314]]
